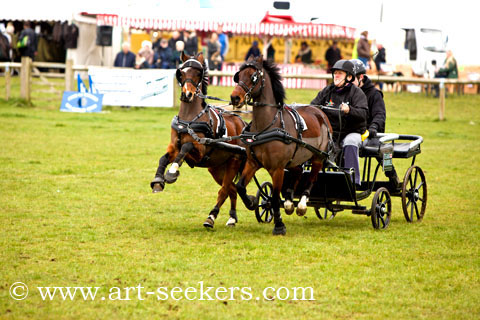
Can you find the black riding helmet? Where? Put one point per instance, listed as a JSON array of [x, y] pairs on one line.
[[347, 66], [358, 68]]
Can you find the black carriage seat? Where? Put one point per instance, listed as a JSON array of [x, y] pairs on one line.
[[375, 148]]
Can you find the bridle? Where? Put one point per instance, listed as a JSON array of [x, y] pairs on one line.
[[255, 78], [195, 64]]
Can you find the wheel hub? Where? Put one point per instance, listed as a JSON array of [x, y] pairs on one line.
[[383, 209], [416, 196], [266, 204]]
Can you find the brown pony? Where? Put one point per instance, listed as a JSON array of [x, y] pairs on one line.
[[273, 140], [197, 120]]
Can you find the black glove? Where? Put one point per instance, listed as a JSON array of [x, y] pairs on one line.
[[372, 132]]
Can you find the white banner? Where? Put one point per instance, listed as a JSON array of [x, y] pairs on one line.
[[135, 88]]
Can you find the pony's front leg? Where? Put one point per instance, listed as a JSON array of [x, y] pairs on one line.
[[302, 205], [277, 180], [248, 172], [158, 183], [173, 173]]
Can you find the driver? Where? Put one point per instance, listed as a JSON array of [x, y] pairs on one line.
[[350, 121], [376, 110]]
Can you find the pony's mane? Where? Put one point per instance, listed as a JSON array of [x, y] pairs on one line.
[[273, 72]]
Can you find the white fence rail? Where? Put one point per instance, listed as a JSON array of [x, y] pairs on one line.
[[29, 69]]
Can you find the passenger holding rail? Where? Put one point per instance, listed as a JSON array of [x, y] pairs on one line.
[[376, 111], [350, 121]]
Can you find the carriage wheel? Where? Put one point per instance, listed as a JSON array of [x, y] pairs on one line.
[[414, 189], [264, 210], [324, 215], [381, 210]]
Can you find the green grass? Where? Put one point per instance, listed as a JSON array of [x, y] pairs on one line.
[[76, 210]]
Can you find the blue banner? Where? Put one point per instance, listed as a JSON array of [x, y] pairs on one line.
[[74, 101]]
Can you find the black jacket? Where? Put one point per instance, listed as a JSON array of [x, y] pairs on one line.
[[376, 106], [129, 60], [355, 120], [332, 55], [31, 45]]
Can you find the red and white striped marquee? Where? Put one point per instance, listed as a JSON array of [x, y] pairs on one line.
[[282, 29]]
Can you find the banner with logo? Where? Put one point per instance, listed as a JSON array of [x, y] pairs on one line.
[[82, 102], [135, 88]]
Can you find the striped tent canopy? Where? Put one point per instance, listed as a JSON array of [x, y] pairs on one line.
[[278, 26]]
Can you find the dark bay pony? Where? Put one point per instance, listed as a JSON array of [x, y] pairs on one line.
[[260, 81], [198, 120]]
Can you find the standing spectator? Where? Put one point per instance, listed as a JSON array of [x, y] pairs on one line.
[[27, 41], [430, 74], [191, 42], [5, 44], [223, 39], [253, 51], [363, 49], [332, 55], [305, 54], [270, 52], [10, 31], [380, 59], [213, 52], [125, 58], [179, 47], [165, 59], [448, 70]]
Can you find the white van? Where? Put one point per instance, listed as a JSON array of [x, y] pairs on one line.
[[413, 46]]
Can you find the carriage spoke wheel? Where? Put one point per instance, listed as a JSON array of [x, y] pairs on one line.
[[414, 194], [264, 211], [381, 210], [323, 215]]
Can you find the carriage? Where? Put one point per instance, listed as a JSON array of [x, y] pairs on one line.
[[334, 190], [294, 145]]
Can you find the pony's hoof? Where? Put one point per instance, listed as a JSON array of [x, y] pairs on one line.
[[209, 223], [301, 211], [231, 222], [279, 230], [288, 206], [157, 184], [171, 177], [252, 203], [157, 187]]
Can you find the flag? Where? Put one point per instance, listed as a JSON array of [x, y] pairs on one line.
[[80, 85], [91, 86]]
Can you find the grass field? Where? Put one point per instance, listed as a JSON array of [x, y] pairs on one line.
[[77, 211]]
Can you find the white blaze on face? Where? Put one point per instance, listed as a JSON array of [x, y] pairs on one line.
[[173, 168], [185, 83]]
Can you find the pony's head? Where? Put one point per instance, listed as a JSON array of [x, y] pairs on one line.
[[250, 81], [192, 76]]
